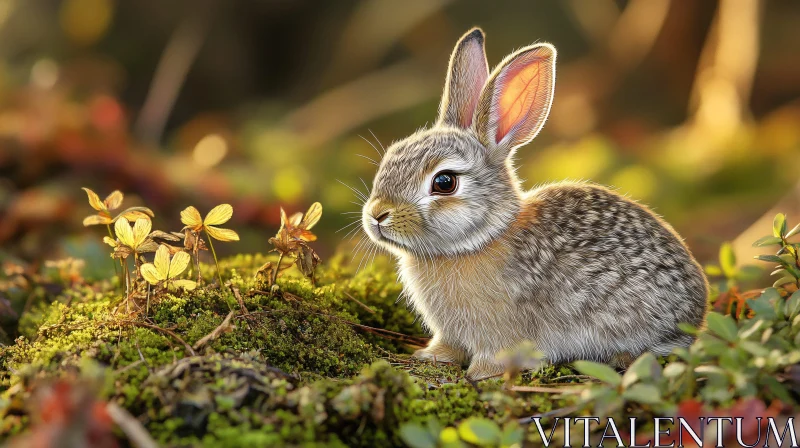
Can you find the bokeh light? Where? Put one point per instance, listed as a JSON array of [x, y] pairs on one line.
[[210, 151], [686, 106]]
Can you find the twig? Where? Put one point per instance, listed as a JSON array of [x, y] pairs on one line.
[[141, 355], [576, 377], [128, 367], [238, 296], [545, 390], [163, 330], [387, 334], [222, 328], [370, 310], [554, 413], [133, 429]]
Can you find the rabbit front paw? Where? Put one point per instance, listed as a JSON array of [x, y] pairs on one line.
[[484, 368], [439, 352]]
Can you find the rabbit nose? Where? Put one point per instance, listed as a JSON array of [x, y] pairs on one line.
[[382, 217]]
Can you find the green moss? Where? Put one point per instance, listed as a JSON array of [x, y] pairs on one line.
[[295, 368]]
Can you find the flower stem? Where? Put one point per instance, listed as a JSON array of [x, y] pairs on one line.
[[127, 287], [197, 266], [214, 253], [111, 235], [277, 269]]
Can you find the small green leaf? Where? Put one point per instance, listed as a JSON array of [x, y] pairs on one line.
[[769, 258], [715, 373], [602, 372], [688, 328], [722, 326], [764, 305], [513, 435], [767, 241], [449, 438], [754, 348], [479, 431], [793, 305], [674, 369], [779, 225], [416, 436], [643, 393], [751, 327], [783, 280], [727, 259], [795, 230], [713, 270], [434, 427], [645, 367], [777, 389]]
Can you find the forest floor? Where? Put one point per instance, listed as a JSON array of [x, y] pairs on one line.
[[328, 364]]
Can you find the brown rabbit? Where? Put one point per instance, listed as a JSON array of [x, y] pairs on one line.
[[579, 270]]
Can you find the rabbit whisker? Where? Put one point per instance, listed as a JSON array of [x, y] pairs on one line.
[[365, 186], [377, 140], [370, 159], [354, 190], [349, 225], [352, 232], [373, 146]]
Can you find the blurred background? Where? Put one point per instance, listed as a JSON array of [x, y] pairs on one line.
[[691, 107]]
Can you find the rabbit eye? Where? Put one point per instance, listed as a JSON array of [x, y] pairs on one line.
[[444, 183]]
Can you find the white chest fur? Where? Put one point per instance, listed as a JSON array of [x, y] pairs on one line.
[[465, 301]]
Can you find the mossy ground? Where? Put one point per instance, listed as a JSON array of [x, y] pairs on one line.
[[300, 367]]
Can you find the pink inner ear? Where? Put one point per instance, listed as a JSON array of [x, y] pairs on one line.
[[475, 78], [466, 113], [519, 87]]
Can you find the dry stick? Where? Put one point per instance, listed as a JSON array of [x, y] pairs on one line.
[[576, 377], [133, 429], [221, 328], [128, 367], [387, 334], [238, 296], [377, 331], [163, 330], [545, 390], [554, 413], [370, 310]]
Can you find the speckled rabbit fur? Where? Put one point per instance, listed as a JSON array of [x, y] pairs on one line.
[[578, 269]]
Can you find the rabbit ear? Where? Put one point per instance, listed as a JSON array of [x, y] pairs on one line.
[[466, 76], [516, 100]]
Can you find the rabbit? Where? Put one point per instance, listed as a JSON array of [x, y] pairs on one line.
[[576, 268]]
